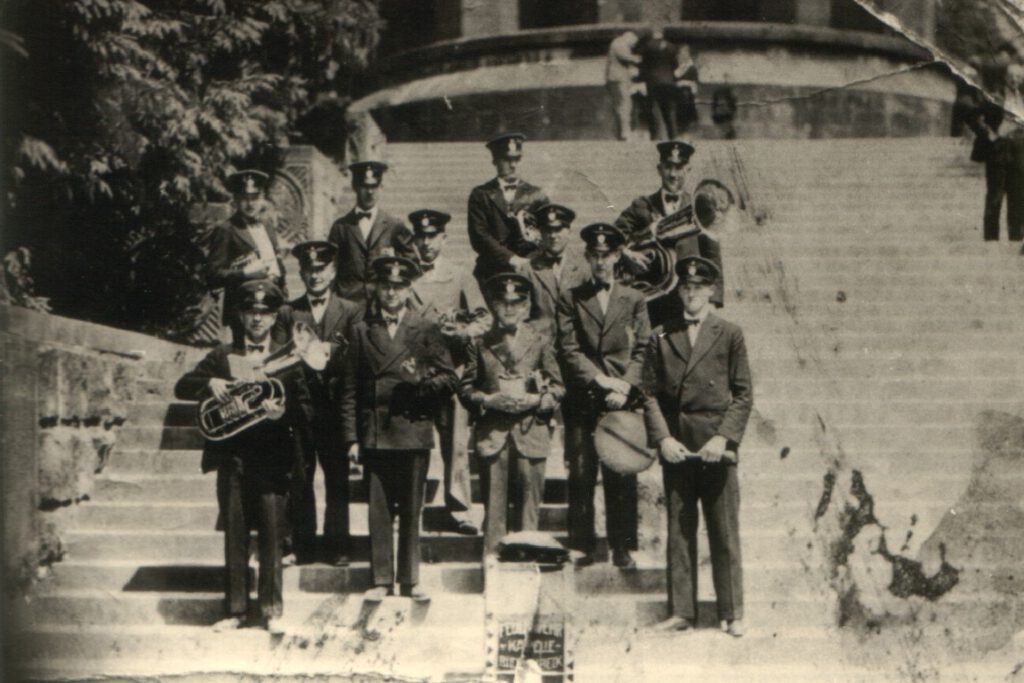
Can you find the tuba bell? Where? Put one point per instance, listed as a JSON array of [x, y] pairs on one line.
[[247, 402]]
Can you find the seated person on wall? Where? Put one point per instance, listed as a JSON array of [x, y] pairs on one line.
[[244, 247], [332, 319], [364, 233], [556, 267], [449, 297], [639, 221], [697, 399], [253, 466], [396, 373], [499, 212], [512, 382], [602, 333]]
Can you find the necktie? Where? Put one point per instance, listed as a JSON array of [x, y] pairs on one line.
[[360, 215], [671, 198], [318, 301], [254, 348]]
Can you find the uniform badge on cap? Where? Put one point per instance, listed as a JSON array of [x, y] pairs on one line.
[[250, 185], [510, 287], [692, 269], [601, 239], [425, 222], [370, 175], [552, 216], [512, 145], [675, 154], [396, 271], [259, 294]]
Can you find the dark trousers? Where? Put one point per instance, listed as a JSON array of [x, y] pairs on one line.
[[251, 500], [717, 488], [1004, 177], [396, 481], [663, 102], [620, 499], [508, 479], [453, 433], [322, 444]]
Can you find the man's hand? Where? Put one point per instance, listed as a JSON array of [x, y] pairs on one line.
[[274, 408], [615, 400], [528, 402], [519, 263], [714, 449], [353, 453], [219, 388], [637, 258], [613, 384], [501, 403], [672, 450]]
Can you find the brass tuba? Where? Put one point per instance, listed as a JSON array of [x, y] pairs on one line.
[[246, 404]]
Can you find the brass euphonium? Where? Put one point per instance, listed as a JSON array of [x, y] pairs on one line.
[[247, 403]]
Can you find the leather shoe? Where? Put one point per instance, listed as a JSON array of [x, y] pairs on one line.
[[416, 593], [377, 593], [466, 528], [734, 627], [623, 560], [584, 560], [228, 624], [274, 626], [673, 624]]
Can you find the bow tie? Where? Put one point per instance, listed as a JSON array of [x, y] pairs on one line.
[[688, 321], [254, 348], [390, 320], [603, 285], [509, 188], [360, 215], [671, 198], [318, 301]]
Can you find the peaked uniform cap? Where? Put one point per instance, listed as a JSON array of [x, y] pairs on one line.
[[602, 237], [367, 173], [697, 270], [510, 287], [314, 253], [507, 145], [429, 221], [259, 295], [248, 182], [675, 151], [394, 269], [554, 217]]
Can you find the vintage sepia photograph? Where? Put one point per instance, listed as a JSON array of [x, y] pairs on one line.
[[512, 341]]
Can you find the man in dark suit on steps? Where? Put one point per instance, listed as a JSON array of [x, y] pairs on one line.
[[697, 400], [243, 248], [602, 333], [499, 210], [640, 219], [254, 466], [365, 233], [333, 320], [396, 375], [556, 267]]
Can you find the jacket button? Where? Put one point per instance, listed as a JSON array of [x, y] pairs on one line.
[[711, 383]]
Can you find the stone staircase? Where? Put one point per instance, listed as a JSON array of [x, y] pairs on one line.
[[879, 326]]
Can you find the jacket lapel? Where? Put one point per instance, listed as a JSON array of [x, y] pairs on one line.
[[332, 314], [376, 230], [616, 307], [498, 197], [546, 277], [245, 236], [657, 207], [397, 347], [352, 225], [590, 304], [710, 331], [680, 343]]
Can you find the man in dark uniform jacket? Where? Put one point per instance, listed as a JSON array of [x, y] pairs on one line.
[[397, 372], [556, 267], [254, 466], [499, 209], [333, 320], [244, 247], [365, 233], [513, 384], [658, 72], [602, 333], [698, 397], [640, 218]]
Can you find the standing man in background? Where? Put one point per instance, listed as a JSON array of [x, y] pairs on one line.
[[658, 72], [449, 297], [619, 72], [602, 333], [697, 400], [243, 248], [499, 212], [333, 319], [365, 233]]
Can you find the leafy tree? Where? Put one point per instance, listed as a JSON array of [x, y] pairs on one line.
[[121, 116]]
